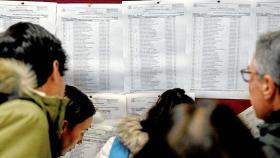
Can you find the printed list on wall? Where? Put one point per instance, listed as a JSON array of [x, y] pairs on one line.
[[148, 46], [220, 36], [92, 37], [154, 34], [40, 13]]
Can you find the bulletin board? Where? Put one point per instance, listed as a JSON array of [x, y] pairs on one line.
[[238, 105]]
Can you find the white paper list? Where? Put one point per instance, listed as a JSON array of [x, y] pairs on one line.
[[97, 136], [92, 37], [41, 13], [154, 46], [141, 103], [267, 16], [220, 44], [112, 106]]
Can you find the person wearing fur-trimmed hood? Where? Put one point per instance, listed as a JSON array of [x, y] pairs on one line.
[[31, 92], [146, 138]]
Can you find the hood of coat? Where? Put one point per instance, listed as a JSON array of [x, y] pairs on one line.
[[16, 78], [131, 134]]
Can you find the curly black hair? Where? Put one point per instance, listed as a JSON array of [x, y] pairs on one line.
[[159, 121]]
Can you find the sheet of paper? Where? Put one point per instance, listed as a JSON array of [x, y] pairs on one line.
[[112, 106], [140, 103], [267, 15], [77, 152], [249, 118], [221, 38], [154, 35], [98, 135], [42, 13], [92, 37]]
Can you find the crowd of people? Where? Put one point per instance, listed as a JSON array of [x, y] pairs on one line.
[[41, 117]]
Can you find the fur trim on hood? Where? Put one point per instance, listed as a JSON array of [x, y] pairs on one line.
[[16, 78], [131, 134]]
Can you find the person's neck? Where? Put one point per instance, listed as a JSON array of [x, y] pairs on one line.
[[40, 92], [46, 90], [276, 102]]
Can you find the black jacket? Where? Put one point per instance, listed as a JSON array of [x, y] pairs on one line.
[[270, 135]]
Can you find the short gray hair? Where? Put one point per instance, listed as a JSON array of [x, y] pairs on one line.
[[267, 55]]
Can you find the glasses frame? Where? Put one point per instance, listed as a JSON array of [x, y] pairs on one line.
[[247, 71]]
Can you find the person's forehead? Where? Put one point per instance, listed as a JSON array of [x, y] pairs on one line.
[[252, 63], [85, 124]]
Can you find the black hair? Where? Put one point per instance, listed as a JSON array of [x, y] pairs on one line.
[[79, 108], [159, 121], [33, 45], [160, 112], [234, 136]]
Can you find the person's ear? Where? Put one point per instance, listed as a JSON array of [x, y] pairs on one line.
[[65, 125], [268, 87], [55, 72]]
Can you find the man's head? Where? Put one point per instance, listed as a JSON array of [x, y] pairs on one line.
[[35, 46], [78, 118], [264, 75]]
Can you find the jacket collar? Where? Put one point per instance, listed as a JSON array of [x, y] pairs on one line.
[[131, 134], [54, 106], [274, 117], [271, 125]]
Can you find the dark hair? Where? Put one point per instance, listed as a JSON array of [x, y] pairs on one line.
[[33, 45], [158, 123], [234, 136], [211, 130], [79, 108]]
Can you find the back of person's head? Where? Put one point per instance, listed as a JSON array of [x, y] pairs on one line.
[[159, 114], [35, 46], [158, 118], [79, 108], [192, 135], [158, 123], [210, 130], [267, 55]]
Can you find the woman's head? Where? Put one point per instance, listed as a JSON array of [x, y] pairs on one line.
[[78, 118], [159, 114], [159, 121]]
